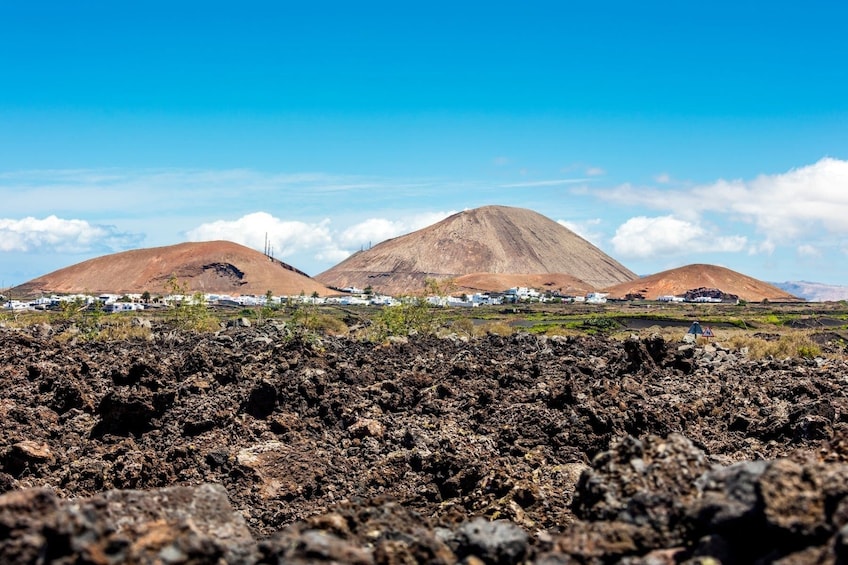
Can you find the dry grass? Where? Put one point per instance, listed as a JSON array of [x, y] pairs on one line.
[[24, 319], [123, 329], [496, 328], [113, 329], [464, 326], [790, 344], [326, 324]]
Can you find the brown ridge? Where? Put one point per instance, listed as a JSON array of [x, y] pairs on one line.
[[219, 267], [491, 239], [675, 282]]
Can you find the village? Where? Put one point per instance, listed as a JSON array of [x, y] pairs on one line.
[[350, 296]]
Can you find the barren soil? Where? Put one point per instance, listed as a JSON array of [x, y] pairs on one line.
[[676, 282], [491, 239], [246, 446], [210, 266]]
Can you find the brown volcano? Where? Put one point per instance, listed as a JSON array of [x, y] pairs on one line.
[[677, 281], [491, 239], [211, 266]]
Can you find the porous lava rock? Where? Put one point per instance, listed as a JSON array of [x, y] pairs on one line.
[[255, 446]]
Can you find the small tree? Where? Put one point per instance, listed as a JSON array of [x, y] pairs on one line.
[[412, 315], [145, 297], [189, 311]]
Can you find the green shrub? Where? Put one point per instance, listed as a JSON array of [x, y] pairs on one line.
[[599, 324], [771, 319], [412, 315], [808, 351]]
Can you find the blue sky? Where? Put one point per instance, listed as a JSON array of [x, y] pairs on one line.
[[666, 133]]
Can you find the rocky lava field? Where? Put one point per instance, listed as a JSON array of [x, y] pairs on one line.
[[250, 446]]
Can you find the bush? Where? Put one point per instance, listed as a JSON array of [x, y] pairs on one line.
[[771, 319], [190, 313], [497, 328], [599, 324], [463, 326], [412, 315], [121, 327], [326, 324]]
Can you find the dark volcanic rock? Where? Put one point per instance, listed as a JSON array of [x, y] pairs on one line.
[[498, 542], [172, 525], [426, 450], [646, 483]]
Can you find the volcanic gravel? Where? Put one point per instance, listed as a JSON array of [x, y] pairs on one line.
[[253, 445]]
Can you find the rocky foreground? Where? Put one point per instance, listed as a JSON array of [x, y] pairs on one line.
[[250, 446]]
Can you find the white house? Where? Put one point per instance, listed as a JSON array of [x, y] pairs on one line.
[[114, 307], [596, 298]]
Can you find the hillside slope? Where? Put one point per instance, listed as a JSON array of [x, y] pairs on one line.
[[211, 266], [677, 281], [491, 239], [495, 282]]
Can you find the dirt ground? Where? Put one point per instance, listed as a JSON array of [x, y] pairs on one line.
[[249, 446]]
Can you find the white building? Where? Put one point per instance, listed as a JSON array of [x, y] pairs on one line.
[[16, 305], [596, 298], [114, 307]]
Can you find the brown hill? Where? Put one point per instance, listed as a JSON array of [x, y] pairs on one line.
[[491, 239], [212, 267], [677, 281], [495, 282]]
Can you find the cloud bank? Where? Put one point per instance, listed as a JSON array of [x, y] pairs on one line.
[[285, 237], [642, 237], [782, 208], [289, 239], [586, 229], [57, 235]]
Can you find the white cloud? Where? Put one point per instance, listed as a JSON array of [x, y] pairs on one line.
[[59, 235], [374, 230], [782, 207], [317, 240], [643, 237], [369, 232], [110, 192], [588, 170], [424, 219], [767, 247], [286, 238], [553, 182], [807, 250], [663, 178], [585, 229]]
